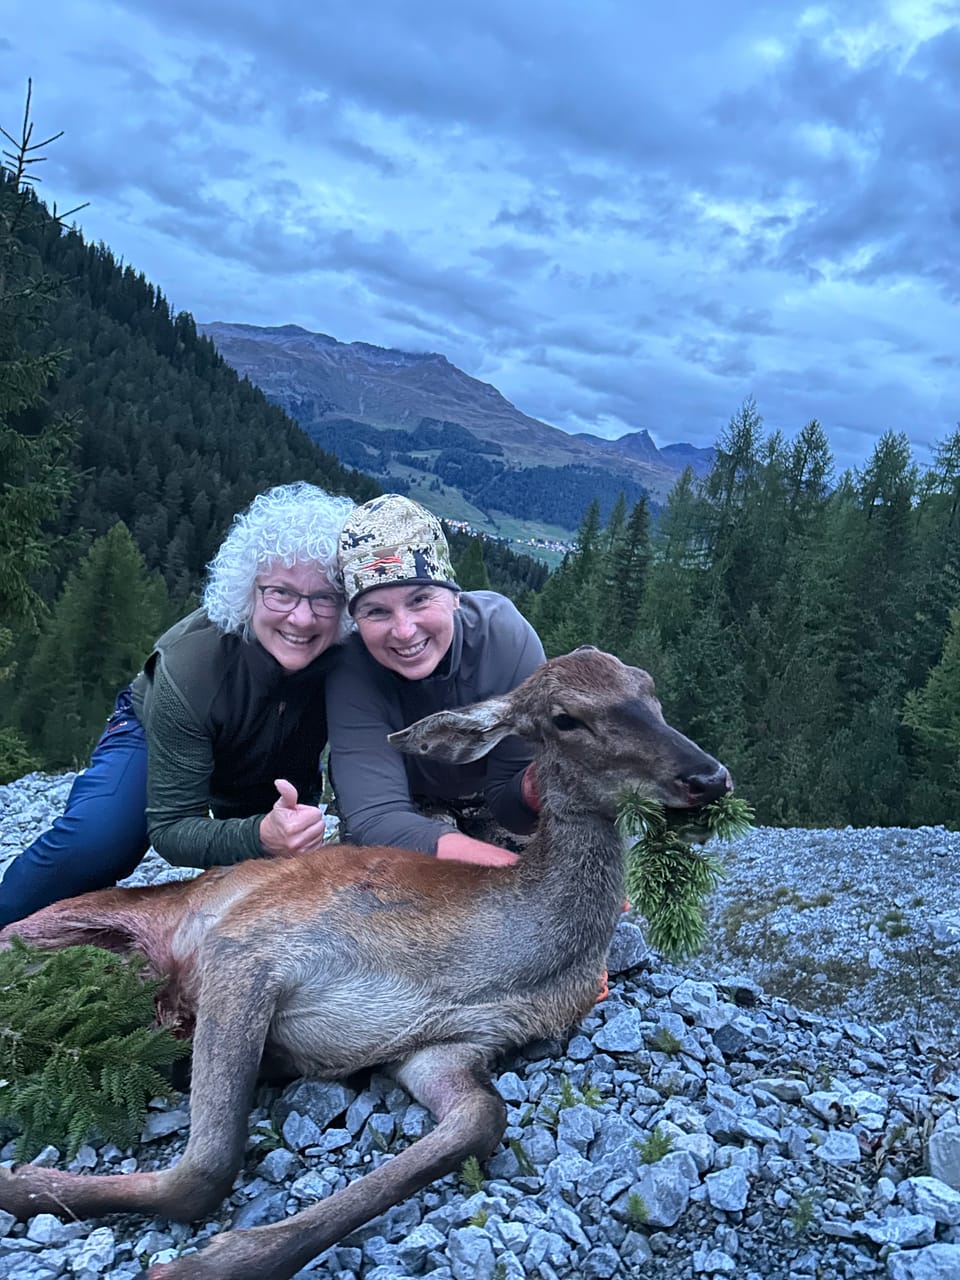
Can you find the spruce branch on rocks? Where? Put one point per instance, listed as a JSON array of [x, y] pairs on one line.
[[78, 1054], [668, 880]]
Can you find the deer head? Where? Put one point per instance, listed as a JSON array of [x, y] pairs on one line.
[[596, 725]]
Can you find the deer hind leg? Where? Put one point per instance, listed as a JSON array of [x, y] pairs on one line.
[[453, 1082], [120, 920], [237, 1001]]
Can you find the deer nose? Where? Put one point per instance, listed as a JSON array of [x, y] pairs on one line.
[[708, 785]]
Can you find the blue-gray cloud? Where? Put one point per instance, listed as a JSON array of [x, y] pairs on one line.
[[617, 221]]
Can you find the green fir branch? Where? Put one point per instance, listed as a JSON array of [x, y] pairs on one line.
[[472, 1175], [78, 1053], [668, 880]]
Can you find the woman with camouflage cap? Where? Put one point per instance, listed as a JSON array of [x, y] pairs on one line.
[[421, 646]]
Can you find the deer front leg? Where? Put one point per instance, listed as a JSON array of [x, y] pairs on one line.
[[451, 1080], [237, 1001]]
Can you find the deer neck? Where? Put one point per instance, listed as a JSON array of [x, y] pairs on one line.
[[573, 867]]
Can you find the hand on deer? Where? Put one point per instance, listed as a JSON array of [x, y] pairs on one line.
[[456, 847], [291, 828]]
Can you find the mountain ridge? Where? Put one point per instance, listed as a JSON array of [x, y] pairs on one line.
[[326, 385]]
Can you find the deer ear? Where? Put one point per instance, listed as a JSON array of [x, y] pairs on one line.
[[458, 736]]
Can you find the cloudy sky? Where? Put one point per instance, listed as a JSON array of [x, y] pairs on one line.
[[623, 214]]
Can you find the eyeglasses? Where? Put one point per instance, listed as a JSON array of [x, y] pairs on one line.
[[323, 604]]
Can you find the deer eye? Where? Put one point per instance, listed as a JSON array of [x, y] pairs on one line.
[[565, 723]]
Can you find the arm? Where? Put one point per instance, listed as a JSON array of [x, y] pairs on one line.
[[456, 847], [507, 795], [369, 777]]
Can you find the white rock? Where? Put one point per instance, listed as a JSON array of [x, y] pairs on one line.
[[908, 1230], [727, 1189], [839, 1148], [935, 1262], [931, 1196], [97, 1252], [943, 1153]]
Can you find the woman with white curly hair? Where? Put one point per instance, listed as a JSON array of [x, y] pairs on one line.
[[227, 712]]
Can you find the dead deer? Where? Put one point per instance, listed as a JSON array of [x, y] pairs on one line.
[[355, 957]]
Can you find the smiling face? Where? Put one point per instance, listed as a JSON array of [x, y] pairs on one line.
[[407, 628], [297, 637]]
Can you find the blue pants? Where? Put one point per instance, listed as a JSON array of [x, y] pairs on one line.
[[102, 834]]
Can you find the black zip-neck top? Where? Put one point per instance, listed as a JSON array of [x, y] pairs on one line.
[[224, 719]]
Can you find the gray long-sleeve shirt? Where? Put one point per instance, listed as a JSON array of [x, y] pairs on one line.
[[493, 649]]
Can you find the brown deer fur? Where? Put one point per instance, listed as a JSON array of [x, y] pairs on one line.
[[352, 957]]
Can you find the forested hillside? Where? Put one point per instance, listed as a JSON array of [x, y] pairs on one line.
[[435, 457], [169, 439], [134, 443], [805, 628]]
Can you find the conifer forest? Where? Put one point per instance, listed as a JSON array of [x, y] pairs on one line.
[[803, 625]]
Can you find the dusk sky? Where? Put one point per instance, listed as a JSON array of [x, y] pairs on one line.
[[622, 214]]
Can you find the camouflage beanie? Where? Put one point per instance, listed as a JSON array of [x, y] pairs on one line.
[[390, 541]]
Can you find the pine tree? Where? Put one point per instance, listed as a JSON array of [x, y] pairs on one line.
[[626, 560], [567, 611], [788, 686], [809, 470], [102, 628], [937, 532], [617, 519], [933, 713], [733, 479], [35, 444], [471, 570], [873, 588], [679, 569]]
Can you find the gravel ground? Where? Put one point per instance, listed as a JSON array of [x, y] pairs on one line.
[[786, 1105], [854, 922]]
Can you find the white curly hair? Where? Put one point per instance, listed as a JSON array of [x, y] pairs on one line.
[[290, 524]]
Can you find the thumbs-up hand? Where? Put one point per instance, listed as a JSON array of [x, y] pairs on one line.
[[288, 794], [291, 828]]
